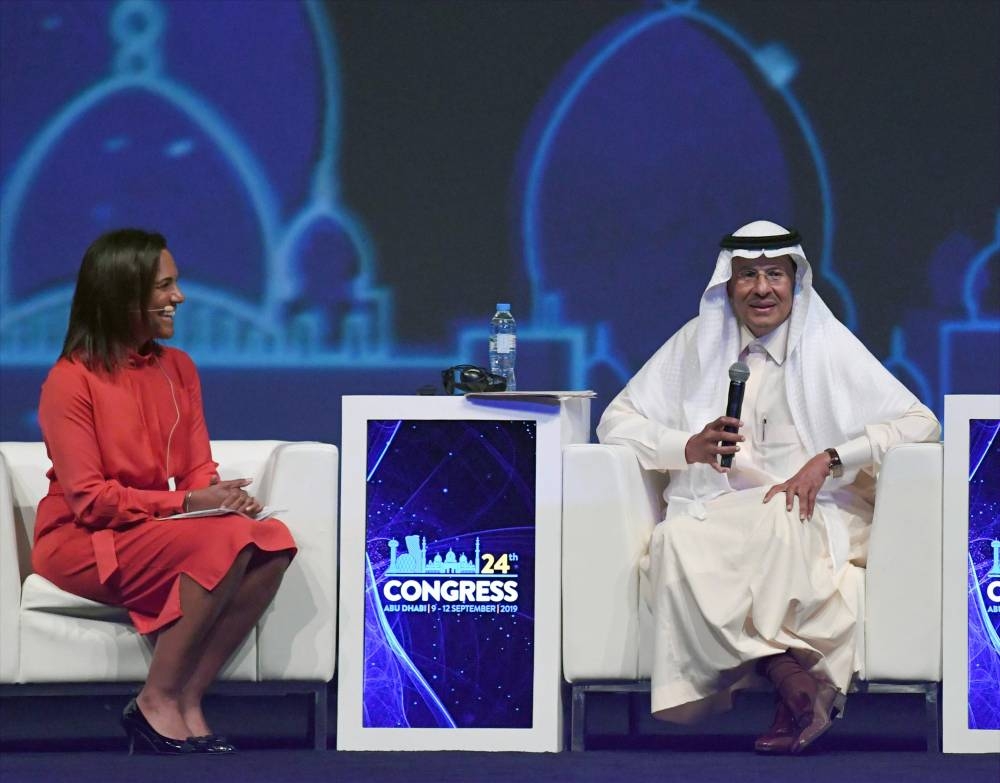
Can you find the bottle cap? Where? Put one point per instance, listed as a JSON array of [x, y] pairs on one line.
[[503, 307]]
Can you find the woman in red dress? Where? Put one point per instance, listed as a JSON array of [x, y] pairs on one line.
[[122, 419]]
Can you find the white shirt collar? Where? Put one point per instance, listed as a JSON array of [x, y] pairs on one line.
[[775, 342]]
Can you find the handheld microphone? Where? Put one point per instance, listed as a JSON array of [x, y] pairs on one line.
[[738, 375]]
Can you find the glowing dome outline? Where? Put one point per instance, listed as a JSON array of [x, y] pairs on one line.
[[541, 298], [175, 94], [276, 241]]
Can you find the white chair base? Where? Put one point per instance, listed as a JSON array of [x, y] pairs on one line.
[[578, 710], [318, 706]]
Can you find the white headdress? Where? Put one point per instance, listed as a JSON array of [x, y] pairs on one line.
[[718, 337]]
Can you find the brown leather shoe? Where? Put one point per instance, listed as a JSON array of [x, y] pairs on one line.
[[823, 710], [795, 686], [782, 735]]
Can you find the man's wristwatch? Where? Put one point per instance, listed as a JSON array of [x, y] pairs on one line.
[[836, 466]]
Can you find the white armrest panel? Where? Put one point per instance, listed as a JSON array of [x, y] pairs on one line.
[[296, 637], [610, 506], [10, 580], [22, 484], [903, 578]]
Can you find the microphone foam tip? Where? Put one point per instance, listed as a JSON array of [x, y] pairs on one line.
[[738, 372]]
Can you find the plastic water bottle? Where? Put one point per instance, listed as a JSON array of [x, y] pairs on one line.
[[503, 345]]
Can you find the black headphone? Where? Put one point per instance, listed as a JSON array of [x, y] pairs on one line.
[[470, 378]]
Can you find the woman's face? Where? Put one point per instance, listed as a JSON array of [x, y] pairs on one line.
[[163, 301]]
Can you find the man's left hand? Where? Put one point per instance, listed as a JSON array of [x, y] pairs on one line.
[[805, 485]]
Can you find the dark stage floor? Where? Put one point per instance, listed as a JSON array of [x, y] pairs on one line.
[[880, 739], [301, 766]]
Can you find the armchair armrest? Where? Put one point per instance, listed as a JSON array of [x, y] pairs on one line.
[[296, 637], [610, 506], [10, 580], [903, 577]]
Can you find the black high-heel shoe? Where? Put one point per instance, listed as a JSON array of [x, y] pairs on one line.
[[149, 739], [212, 743]]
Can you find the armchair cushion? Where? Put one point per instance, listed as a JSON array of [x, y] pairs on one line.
[[38, 594]]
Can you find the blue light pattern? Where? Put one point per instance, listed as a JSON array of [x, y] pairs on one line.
[[984, 570], [460, 487]]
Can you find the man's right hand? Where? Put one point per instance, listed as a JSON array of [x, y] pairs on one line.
[[705, 446]]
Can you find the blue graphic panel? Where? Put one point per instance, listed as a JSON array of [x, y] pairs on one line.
[[449, 599], [984, 574]]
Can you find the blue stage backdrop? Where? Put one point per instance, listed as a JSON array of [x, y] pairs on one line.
[[350, 187]]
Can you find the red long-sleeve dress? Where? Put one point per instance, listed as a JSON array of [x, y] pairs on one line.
[[114, 439]]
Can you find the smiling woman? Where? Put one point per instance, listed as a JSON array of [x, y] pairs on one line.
[[164, 300], [122, 419], [109, 316]]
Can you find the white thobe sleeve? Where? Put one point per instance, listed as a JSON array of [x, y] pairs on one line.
[[917, 425], [658, 447]]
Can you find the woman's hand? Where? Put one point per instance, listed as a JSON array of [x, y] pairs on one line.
[[805, 484], [224, 494], [704, 446]]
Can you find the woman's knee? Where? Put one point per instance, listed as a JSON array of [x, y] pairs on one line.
[[242, 561], [237, 571], [270, 566]]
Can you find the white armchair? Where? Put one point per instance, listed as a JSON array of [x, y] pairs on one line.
[[610, 506], [52, 642]]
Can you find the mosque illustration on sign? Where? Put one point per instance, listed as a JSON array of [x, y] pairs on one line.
[[414, 561], [306, 291]]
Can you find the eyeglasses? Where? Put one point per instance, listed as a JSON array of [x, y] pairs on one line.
[[470, 378], [748, 275]]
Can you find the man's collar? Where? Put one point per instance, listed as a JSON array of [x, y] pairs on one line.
[[774, 342]]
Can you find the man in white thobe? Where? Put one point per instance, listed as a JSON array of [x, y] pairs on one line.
[[758, 566]]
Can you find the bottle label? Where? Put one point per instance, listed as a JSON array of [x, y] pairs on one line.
[[506, 343]]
